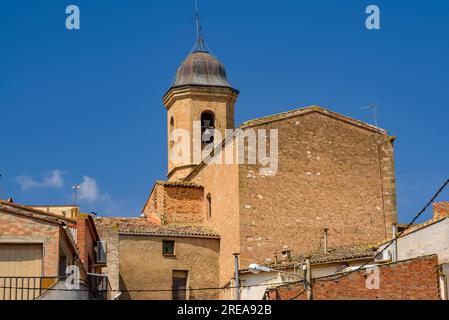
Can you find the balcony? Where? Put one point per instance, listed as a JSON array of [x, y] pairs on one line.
[[25, 288]]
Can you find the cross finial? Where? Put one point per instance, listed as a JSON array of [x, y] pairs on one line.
[[199, 30]]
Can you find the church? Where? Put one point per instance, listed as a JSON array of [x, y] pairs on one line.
[[331, 177]]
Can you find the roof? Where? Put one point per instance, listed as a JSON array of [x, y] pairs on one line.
[[201, 68], [334, 255], [34, 213], [182, 184], [142, 226], [341, 254], [308, 110]]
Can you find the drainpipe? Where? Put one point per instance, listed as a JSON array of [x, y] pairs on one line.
[[237, 278], [308, 278], [395, 244]]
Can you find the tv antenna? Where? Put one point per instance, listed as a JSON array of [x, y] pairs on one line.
[[374, 107]]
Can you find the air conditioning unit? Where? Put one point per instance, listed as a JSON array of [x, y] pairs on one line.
[[383, 257], [101, 252]]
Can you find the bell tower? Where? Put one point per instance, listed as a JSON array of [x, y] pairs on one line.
[[200, 94]]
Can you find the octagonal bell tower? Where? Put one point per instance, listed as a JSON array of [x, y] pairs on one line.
[[202, 94]]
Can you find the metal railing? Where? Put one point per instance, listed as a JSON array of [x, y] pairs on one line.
[[25, 288]]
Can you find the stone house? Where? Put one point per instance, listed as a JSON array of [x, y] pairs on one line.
[[287, 269], [147, 261]]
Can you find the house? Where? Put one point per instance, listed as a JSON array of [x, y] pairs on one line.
[[429, 238], [287, 269], [36, 247], [412, 279], [147, 261]]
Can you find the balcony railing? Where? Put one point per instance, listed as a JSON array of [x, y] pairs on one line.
[[25, 288]]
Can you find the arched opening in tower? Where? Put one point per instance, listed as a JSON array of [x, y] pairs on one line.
[[207, 127]]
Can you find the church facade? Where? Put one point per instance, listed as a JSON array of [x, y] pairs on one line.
[[327, 175]]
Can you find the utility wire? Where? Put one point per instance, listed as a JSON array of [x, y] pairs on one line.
[[325, 278], [338, 277], [156, 290]]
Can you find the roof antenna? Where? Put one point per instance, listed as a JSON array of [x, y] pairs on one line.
[[374, 107], [199, 30]]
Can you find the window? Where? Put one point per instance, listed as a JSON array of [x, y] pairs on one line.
[[207, 127], [180, 285], [209, 206], [172, 128], [168, 248]]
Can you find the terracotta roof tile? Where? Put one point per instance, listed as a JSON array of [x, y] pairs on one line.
[[145, 227], [334, 255], [185, 184]]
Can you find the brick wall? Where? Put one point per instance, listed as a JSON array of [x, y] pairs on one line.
[[440, 210], [415, 279], [18, 229], [86, 243], [175, 204]]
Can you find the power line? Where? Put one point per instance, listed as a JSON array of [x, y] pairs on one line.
[[157, 290], [337, 277]]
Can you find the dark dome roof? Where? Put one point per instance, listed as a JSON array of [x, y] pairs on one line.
[[202, 69]]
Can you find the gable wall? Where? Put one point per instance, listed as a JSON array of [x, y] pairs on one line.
[[331, 175]]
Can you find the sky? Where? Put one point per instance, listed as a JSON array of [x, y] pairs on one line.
[[84, 106]]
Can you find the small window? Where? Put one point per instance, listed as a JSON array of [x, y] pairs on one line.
[[168, 248], [172, 128], [209, 206]]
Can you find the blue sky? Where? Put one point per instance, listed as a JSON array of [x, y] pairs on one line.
[[85, 106]]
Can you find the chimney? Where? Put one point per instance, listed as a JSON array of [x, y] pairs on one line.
[[286, 254], [440, 210]]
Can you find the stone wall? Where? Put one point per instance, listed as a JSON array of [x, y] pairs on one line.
[[409, 280], [333, 173], [144, 267], [221, 184], [112, 270]]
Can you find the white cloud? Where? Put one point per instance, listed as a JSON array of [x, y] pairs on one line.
[[88, 190], [52, 180]]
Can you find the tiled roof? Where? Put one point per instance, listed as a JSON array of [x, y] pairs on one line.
[[144, 227], [334, 255], [342, 254], [35, 212], [185, 184]]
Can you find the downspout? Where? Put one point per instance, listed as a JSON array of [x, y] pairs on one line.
[[237, 278], [395, 244]]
